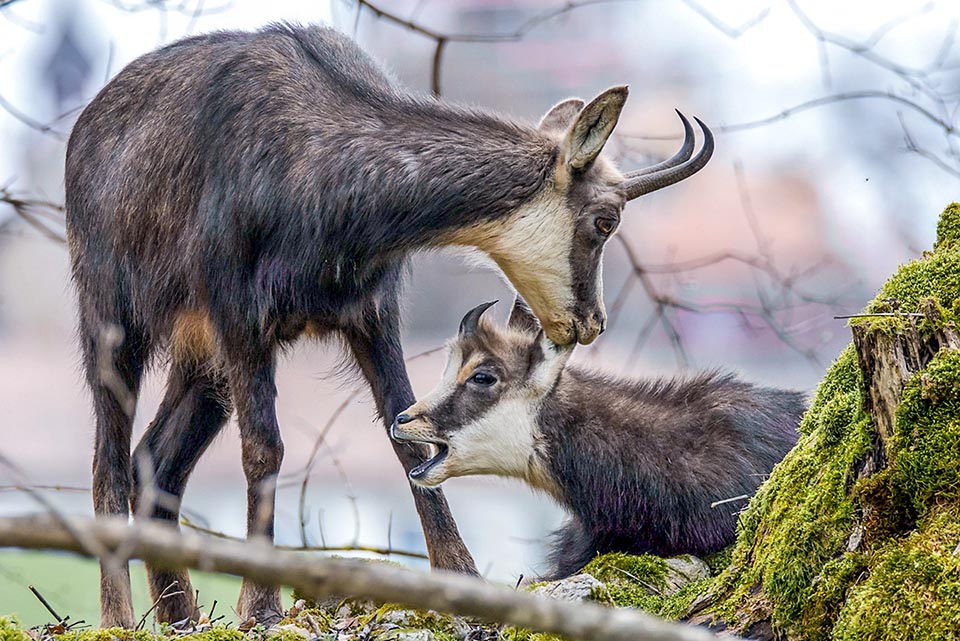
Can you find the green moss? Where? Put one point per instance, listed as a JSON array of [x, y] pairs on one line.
[[801, 517], [120, 634], [948, 227], [10, 630], [790, 563], [631, 581], [640, 582], [936, 275], [829, 594], [925, 450], [519, 634], [912, 591], [719, 561], [837, 416], [441, 625], [617, 567]]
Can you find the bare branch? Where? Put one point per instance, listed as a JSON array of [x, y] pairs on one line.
[[442, 39], [881, 32], [322, 577], [355, 547], [722, 27], [913, 77], [44, 216], [30, 122], [846, 96]]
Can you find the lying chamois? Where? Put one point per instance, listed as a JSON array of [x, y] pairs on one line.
[[636, 462]]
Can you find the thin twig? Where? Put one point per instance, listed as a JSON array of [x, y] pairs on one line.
[[169, 591], [865, 315], [732, 499], [46, 604]]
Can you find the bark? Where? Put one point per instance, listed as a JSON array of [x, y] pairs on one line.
[[888, 360], [319, 577]]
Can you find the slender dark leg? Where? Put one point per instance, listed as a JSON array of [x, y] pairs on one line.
[[251, 375], [113, 359], [194, 409], [376, 347]]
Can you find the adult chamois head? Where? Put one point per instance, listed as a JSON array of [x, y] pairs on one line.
[[551, 246], [234, 191]]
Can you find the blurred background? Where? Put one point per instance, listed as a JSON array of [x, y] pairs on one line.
[[836, 151]]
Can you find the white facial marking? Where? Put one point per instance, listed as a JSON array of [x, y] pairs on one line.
[[447, 384], [500, 442], [532, 248]]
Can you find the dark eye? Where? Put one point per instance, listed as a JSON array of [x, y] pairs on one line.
[[482, 378], [605, 225]]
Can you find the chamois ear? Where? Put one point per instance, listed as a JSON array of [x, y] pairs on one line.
[[593, 126], [547, 361], [468, 325], [521, 317], [561, 116]]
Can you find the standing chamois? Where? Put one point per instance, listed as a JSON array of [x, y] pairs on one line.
[[232, 192], [636, 462]]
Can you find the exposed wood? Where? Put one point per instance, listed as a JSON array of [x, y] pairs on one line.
[[888, 360], [319, 577]]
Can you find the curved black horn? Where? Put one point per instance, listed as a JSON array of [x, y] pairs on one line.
[[469, 323], [686, 150], [644, 184]]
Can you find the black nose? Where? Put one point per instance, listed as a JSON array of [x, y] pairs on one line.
[[400, 419], [603, 326]]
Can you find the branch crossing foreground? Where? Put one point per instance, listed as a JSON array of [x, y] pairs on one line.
[[319, 577]]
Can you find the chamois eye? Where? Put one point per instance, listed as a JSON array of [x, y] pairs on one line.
[[484, 379], [605, 225]]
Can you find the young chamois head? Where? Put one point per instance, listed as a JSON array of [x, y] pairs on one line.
[[482, 417], [551, 247]]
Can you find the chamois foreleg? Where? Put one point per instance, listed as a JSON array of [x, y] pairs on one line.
[[114, 357], [250, 369], [194, 409], [375, 343]]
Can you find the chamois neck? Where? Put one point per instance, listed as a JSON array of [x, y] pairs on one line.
[[575, 394], [421, 171]]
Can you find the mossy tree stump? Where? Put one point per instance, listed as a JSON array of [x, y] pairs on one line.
[[890, 353], [855, 534]]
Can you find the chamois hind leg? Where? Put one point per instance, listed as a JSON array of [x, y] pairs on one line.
[[375, 343], [114, 357], [194, 409]]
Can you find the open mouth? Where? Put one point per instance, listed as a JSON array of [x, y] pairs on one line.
[[442, 449]]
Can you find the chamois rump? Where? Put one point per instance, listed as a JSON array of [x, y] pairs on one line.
[[234, 191], [636, 463]]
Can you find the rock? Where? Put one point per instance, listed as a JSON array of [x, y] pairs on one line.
[[408, 635], [290, 627], [579, 587], [412, 620], [699, 604], [682, 570]]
